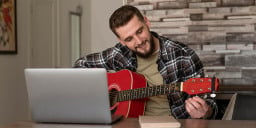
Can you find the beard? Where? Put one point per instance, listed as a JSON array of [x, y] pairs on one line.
[[151, 48]]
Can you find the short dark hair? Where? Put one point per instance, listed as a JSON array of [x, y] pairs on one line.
[[122, 16]]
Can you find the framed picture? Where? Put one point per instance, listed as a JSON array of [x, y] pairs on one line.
[[8, 32]]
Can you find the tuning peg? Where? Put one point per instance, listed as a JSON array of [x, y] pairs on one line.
[[204, 96], [212, 95]]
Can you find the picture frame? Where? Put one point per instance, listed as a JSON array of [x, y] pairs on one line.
[[8, 28]]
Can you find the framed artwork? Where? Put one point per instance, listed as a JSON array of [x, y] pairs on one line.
[[8, 32]]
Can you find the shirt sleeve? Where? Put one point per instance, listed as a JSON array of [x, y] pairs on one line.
[[177, 105], [96, 60], [114, 58], [191, 67]]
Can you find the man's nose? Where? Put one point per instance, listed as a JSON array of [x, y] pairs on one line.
[[138, 40]]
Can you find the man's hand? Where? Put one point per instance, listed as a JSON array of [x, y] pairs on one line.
[[197, 107]]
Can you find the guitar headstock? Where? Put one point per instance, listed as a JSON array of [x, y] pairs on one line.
[[194, 86]]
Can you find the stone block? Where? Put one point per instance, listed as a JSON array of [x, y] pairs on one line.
[[209, 53], [229, 75], [224, 22], [202, 37], [169, 24], [214, 68], [195, 47], [208, 0], [240, 60], [253, 8], [233, 29], [237, 82], [166, 31], [211, 74], [213, 47], [195, 10], [176, 13], [172, 5], [220, 10], [193, 1], [240, 46], [145, 7], [240, 9], [196, 28], [202, 5], [154, 18], [175, 19], [222, 68], [248, 52], [249, 73], [178, 37], [241, 17], [196, 17], [228, 51], [213, 16], [156, 13], [212, 60], [241, 37], [151, 1], [237, 2]]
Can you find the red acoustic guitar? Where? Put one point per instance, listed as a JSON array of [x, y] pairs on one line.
[[128, 91]]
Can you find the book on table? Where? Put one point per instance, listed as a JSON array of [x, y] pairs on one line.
[[158, 122]]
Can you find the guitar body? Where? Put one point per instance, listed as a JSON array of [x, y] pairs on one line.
[[127, 80]]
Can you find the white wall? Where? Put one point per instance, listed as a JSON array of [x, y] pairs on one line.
[[95, 36], [66, 6], [13, 97], [102, 37]]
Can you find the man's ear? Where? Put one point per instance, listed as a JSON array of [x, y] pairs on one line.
[[147, 21]]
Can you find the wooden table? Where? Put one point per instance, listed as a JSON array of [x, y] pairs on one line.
[[133, 123]]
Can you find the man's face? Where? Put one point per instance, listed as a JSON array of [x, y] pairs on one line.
[[137, 37]]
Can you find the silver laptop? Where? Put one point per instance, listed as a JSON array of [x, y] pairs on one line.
[[69, 95]]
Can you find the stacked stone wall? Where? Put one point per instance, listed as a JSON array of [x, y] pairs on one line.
[[222, 32]]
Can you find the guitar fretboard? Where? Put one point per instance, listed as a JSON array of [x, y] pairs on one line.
[[139, 93]]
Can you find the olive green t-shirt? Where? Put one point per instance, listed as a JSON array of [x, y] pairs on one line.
[[157, 105]]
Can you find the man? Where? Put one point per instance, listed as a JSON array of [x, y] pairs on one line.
[[159, 59]]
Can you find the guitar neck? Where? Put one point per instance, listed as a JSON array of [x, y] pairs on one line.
[[140, 93]]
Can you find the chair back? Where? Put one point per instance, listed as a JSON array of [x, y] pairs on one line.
[[245, 107]]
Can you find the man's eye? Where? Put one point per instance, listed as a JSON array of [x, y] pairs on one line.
[[128, 39], [139, 31]]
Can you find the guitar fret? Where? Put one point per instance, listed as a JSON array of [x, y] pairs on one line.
[[153, 91], [141, 92], [120, 96], [156, 90], [123, 96], [134, 94], [129, 94]]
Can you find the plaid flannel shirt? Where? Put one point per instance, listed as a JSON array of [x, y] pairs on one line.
[[176, 63]]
